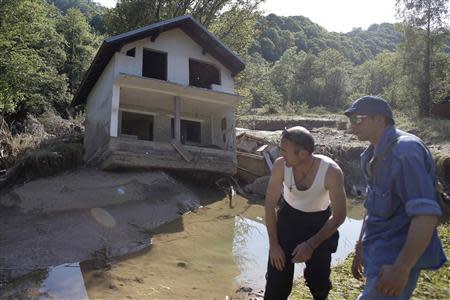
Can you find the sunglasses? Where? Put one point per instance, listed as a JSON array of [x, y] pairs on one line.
[[357, 119], [285, 134]]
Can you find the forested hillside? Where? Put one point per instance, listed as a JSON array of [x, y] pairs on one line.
[[46, 46], [94, 12], [280, 33]]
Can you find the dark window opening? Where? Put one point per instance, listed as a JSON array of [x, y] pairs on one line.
[[224, 124], [154, 64], [138, 125], [190, 131], [203, 74], [131, 52]]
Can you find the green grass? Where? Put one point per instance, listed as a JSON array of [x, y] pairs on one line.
[[431, 284]]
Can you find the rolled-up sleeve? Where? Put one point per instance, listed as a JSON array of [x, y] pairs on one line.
[[415, 184]]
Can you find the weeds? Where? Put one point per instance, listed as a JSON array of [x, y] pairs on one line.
[[431, 284], [45, 162], [429, 129]]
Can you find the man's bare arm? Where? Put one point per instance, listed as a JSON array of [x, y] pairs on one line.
[[273, 194], [334, 182]]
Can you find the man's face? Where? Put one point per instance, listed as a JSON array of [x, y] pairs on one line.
[[289, 153], [362, 126]]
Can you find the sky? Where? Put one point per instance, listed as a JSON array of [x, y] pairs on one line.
[[333, 15]]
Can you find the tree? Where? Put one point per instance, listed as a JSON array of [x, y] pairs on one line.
[[80, 46], [231, 20], [254, 83], [283, 74], [332, 69], [236, 27], [430, 16], [92, 10], [306, 88], [384, 75], [31, 57]]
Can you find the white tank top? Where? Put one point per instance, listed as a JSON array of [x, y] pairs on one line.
[[316, 198]]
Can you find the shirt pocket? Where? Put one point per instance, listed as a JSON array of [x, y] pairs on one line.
[[379, 202]]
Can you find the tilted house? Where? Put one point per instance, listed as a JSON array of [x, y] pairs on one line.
[[162, 96]]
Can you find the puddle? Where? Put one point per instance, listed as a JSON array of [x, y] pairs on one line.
[[250, 248], [61, 282], [64, 282], [213, 253]]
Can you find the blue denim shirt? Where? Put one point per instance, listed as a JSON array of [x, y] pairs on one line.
[[402, 187]]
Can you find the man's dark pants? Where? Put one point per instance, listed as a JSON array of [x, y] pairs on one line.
[[294, 227]]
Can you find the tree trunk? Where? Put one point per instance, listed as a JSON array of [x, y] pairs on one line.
[[425, 106]]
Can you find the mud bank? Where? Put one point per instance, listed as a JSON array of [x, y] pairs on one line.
[[340, 145], [56, 220], [272, 124]]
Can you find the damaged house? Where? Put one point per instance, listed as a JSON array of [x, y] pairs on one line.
[[162, 96]]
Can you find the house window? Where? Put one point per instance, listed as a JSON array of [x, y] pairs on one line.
[[190, 131], [203, 74], [154, 64], [131, 52], [139, 125]]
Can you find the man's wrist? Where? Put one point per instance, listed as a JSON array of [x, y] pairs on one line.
[[273, 244], [310, 245], [401, 267]]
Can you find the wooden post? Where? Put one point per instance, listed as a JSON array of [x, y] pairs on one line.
[[176, 121]]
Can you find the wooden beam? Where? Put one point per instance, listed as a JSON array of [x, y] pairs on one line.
[[183, 152], [248, 171], [154, 36], [268, 160]]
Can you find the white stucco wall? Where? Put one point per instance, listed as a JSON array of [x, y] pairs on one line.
[[98, 113], [179, 48], [106, 99], [217, 134]]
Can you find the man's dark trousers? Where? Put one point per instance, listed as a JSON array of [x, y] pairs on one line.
[[294, 227]]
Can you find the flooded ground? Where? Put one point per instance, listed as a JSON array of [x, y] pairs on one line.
[[215, 252]]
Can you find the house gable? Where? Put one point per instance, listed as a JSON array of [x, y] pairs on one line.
[[208, 43], [180, 50]]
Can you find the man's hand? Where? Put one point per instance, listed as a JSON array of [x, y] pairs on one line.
[[392, 280], [302, 253], [357, 269], [277, 257]]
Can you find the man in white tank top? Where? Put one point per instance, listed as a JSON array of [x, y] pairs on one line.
[[302, 227]]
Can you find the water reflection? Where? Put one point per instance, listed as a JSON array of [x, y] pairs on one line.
[[64, 282], [251, 247], [61, 282]]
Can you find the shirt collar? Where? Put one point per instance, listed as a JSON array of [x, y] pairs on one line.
[[388, 135]]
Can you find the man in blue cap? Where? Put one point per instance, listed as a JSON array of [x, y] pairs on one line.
[[399, 232]]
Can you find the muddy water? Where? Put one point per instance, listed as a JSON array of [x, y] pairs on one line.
[[213, 253]]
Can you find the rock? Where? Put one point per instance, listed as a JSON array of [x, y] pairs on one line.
[[259, 186]]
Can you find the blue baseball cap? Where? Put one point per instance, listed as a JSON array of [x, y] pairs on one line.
[[370, 106]]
